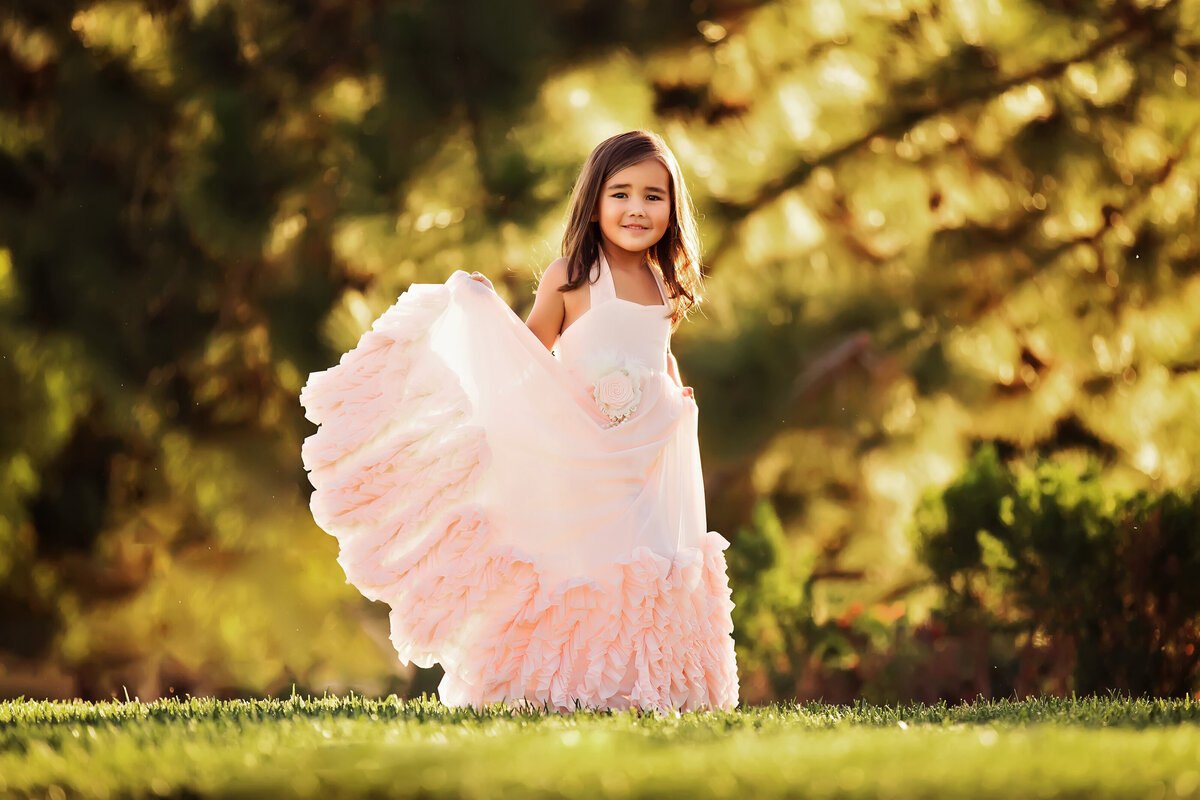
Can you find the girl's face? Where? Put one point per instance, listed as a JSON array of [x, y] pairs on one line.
[[635, 206]]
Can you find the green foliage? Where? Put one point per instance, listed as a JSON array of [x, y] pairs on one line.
[[786, 648], [925, 224], [772, 595], [1086, 584], [352, 746]]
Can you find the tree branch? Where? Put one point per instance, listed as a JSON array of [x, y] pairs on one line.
[[905, 120]]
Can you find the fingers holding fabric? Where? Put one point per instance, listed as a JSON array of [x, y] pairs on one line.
[[479, 276]]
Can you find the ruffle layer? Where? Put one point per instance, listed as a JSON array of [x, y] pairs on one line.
[[652, 632], [393, 465], [393, 451]]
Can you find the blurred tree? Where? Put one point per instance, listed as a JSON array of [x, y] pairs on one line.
[[190, 189], [938, 224], [928, 224]]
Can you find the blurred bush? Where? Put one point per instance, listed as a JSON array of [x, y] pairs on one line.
[[871, 651], [1087, 590]]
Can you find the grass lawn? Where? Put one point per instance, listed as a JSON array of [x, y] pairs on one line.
[[352, 746]]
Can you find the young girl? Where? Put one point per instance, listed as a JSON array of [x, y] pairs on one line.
[[535, 519]]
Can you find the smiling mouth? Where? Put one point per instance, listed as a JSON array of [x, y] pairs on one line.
[[636, 228]]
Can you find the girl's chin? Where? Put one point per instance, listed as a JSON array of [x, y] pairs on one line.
[[634, 243]]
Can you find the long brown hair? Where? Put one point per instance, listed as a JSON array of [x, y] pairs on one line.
[[676, 254]]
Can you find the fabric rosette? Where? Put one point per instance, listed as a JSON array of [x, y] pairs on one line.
[[617, 386]]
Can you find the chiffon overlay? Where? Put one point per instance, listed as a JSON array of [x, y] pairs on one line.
[[535, 521]]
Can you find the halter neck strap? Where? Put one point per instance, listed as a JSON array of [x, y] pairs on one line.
[[605, 289]]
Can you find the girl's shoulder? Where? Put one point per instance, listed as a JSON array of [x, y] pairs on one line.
[[556, 272], [557, 275]]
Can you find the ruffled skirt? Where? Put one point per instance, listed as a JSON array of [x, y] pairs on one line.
[[597, 586]]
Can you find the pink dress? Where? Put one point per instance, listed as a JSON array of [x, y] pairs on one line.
[[535, 522]]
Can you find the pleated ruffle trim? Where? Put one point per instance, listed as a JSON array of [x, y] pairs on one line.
[[393, 464]]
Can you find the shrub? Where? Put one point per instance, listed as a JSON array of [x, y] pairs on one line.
[[1091, 591]]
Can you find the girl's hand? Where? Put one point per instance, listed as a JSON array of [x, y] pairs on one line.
[[479, 276]]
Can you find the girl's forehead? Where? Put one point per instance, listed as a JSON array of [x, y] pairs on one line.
[[648, 171]]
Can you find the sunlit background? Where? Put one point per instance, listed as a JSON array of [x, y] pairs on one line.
[[948, 365]]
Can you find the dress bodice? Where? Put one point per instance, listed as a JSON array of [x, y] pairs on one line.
[[615, 328]]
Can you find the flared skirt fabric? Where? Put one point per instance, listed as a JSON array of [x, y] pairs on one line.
[[540, 555]]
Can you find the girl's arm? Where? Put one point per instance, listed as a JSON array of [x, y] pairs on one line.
[[546, 317], [673, 371], [673, 367]]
